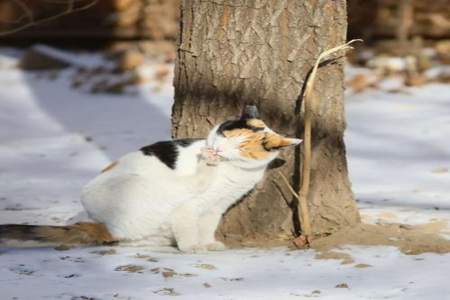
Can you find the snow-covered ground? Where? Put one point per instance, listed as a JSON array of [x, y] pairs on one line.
[[55, 138], [399, 154]]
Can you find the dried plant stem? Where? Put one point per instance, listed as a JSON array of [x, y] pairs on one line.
[[291, 189], [307, 151]]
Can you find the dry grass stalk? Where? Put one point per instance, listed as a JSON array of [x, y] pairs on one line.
[[306, 166], [302, 195]]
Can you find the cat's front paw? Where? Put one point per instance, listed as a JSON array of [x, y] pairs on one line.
[[192, 248], [215, 246], [210, 155]]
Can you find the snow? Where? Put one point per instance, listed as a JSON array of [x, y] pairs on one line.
[[55, 138], [399, 153], [239, 274]]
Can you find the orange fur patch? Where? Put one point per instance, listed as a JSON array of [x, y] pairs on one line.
[[110, 166], [253, 146], [79, 233], [94, 231], [256, 123], [258, 145], [274, 141], [237, 132]]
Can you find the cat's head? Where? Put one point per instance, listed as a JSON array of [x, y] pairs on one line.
[[248, 141]]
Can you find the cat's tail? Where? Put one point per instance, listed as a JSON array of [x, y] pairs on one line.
[[43, 235]]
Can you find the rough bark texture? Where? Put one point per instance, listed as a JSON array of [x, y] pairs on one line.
[[236, 52]]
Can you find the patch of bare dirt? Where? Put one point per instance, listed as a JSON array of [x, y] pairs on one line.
[[205, 266], [169, 273], [409, 239], [166, 292], [146, 257]]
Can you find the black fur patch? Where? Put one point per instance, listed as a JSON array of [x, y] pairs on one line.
[[19, 232], [167, 151], [185, 142], [276, 163], [237, 124]]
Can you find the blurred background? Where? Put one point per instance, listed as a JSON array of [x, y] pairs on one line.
[[130, 30]]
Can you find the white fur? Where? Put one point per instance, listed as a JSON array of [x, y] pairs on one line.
[[141, 198]]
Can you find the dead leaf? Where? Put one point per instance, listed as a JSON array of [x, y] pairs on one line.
[[104, 252], [440, 170], [166, 292], [130, 268], [344, 257], [206, 266]]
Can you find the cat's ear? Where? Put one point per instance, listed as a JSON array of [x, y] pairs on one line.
[[274, 141], [250, 112]]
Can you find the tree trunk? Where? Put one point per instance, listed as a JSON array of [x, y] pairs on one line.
[[236, 52]]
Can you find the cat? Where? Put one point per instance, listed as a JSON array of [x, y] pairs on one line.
[[171, 192]]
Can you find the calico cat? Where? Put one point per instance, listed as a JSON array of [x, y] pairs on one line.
[[170, 192]]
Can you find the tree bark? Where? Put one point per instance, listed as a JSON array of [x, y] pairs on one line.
[[236, 52]]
